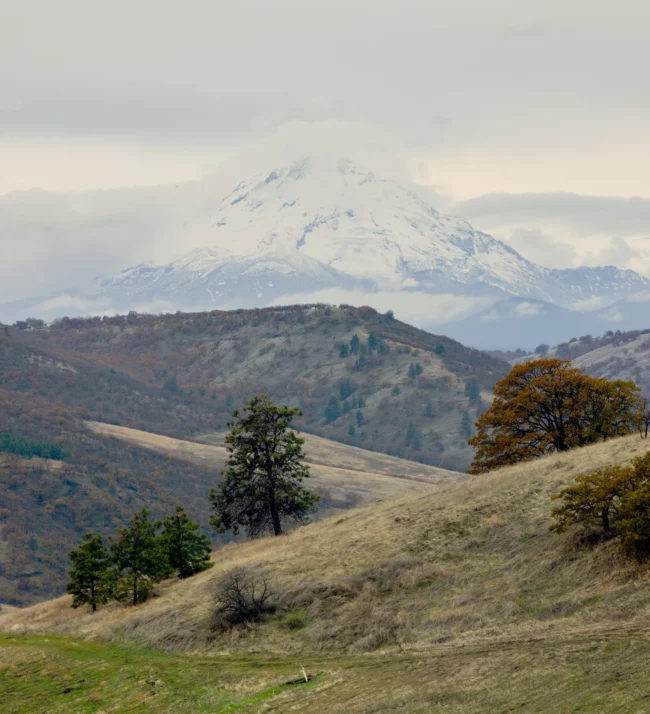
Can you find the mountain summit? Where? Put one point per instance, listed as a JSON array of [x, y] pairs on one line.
[[317, 223], [283, 230]]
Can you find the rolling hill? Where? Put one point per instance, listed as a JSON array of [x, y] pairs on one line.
[[179, 377], [359, 377], [466, 599], [109, 472], [615, 355]]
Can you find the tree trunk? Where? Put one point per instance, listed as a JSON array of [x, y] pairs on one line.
[[605, 519], [275, 516], [135, 589]]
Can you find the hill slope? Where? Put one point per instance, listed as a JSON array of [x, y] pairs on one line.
[[475, 605], [615, 355], [110, 472], [408, 395]]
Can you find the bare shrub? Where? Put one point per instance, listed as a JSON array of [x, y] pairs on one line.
[[242, 596]]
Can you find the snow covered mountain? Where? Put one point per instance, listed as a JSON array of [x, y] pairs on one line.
[[320, 223], [315, 224]]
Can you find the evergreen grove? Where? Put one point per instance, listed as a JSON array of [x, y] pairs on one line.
[[142, 554], [22, 446]]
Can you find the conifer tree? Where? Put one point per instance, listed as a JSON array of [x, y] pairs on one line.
[[332, 410], [90, 577], [139, 558], [187, 550], [262, 485]]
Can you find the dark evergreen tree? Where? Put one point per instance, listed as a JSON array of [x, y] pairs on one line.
[[332, 410], [90, 578], [466, 426], [360, 418], [373, 342], [344, 350], [187, 550], [355, 343], [472, 391], [262, 485], [171, 384], [345, 388], [351, 431], [139, 558], [413, 436]]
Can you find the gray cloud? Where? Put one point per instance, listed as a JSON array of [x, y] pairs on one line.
[[585, 214], [211, 66], [541, 248]]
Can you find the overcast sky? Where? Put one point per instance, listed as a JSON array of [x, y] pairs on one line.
[[532, 116]]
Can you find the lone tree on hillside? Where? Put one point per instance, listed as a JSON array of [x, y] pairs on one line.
[[90, 577], [187, 550], [547, 405], [139, 557], [262, 485]]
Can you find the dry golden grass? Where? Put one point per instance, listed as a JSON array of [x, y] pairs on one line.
[[455, 564], [343, 472], [476, 607]]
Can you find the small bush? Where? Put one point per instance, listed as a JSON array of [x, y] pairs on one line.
[[294, 622], [242, 596]]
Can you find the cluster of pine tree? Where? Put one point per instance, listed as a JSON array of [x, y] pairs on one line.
[[143, 553], [376, 343], [23, 446]]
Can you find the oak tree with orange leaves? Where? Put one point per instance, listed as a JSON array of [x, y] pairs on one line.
[[548, 405]]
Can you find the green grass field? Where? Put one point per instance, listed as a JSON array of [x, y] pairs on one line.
[[588, 673]]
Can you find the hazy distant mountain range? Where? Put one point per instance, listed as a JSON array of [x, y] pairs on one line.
[[322, 226]]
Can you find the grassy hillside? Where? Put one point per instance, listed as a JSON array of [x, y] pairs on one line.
[[110, 472], [118, 372], [616, 355], [417, 395], [340, 474], [47, 505], [467, 600], [626, 360]]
